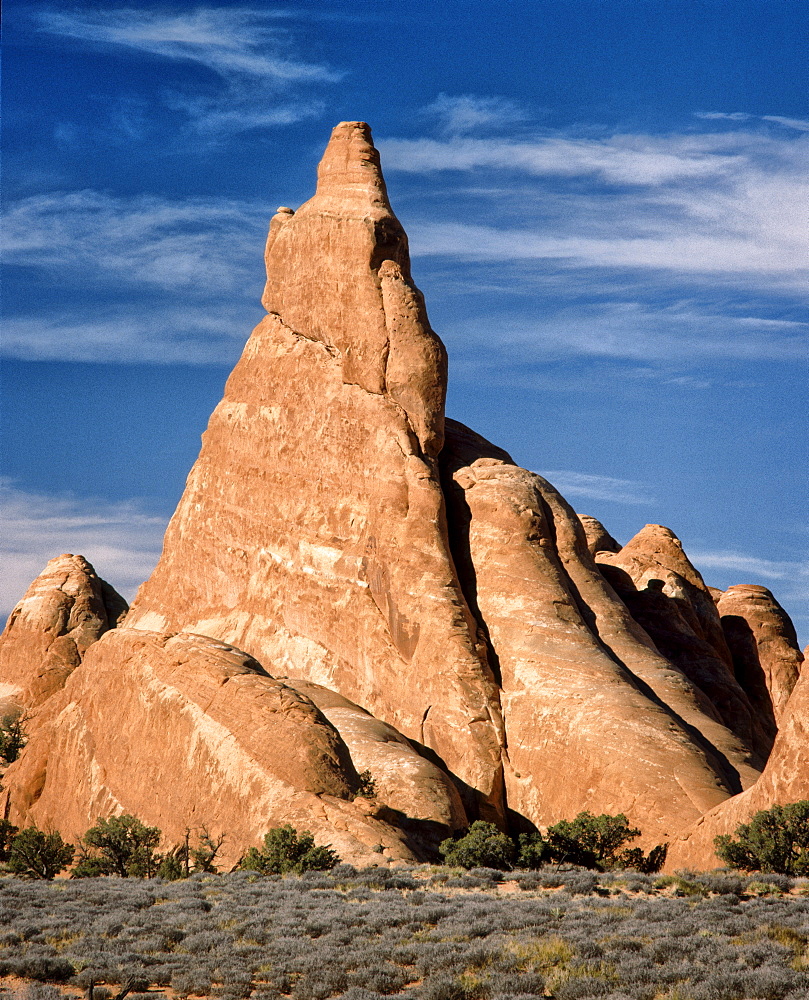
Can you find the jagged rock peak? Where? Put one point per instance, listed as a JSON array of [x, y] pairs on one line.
[[338, 272], [350, 171]]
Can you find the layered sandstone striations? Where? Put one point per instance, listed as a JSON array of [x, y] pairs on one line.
[[64, 610], [348, 584], [186, 731], [311, 532]]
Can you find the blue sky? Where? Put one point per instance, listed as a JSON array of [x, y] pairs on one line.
[[606, 203]]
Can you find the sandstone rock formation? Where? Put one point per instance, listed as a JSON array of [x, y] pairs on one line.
[[668, 597], [351, 583], [64, 610], [185, 730], [764, 647], [404, 781], [311, 532], [598, 538], [583, 689], [785, 779]]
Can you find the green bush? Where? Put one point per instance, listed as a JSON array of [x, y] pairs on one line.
[[591, 841], [120, 845], [35, 854], [285, 852], [7, 833], [12, 737], [775, 840], [483, 846], [533, 851]]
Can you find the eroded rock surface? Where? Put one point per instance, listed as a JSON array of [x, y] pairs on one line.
[[598, 538], [667, 596], [66, 609], [349, 583], [761, 638], [312, 529], [404, 781], [570, 705], [188, 731], [785, 779]]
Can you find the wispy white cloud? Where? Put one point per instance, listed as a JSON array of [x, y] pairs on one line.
[[462, 113], [619, 159], [799, 124], [752, 566], [592, 487], [727, 204], [230, 41], [121, 541], [250, 53], [153, 333], [170, 280], [204, 246], [672, 335]]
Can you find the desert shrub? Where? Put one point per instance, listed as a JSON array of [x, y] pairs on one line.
[[38, 991], [367, 785], [532, 850], [483, 846], [35, 854], [7, 833], [284, 852], [120, 845], [13, 737], [775, 840], [597, 842]]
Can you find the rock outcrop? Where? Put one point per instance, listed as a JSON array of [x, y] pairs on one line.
[[667, 596], [598, 538], [785, 779], [64, 610], [351, 583], [404, 780], [188, 731], [584, 692], [762, 641]]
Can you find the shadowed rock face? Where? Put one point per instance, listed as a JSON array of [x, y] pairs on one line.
[[785, 779], [762, 640], [584, 692], [668, 598], [64, 610]]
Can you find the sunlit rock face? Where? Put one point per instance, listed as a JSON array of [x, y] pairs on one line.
[[351, 583], [184, 731], [64, 610], [312, 530]]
